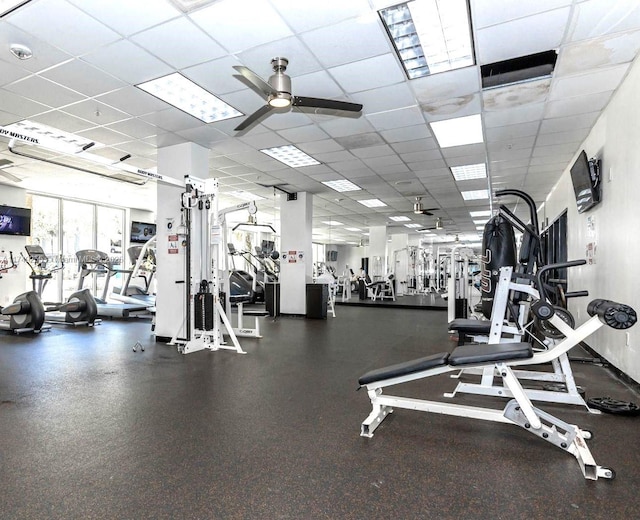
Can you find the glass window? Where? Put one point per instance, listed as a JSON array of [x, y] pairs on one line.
[[78, 233]]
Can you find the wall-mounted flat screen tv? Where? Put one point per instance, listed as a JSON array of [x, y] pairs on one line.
[[585, 176], [15, 221], [142, 231], [332, 256]]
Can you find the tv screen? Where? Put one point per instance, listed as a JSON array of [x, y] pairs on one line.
[[15, 221], [585, 176], [332, 256], [142, 231], [268, 246]]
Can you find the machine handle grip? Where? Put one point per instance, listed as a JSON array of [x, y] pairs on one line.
[[576, 294], [616, 315], [549, 267]]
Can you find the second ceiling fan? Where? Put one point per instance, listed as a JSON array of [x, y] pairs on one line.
[[278, 94]]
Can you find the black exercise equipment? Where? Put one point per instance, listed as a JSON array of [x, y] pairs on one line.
[[614, 406]]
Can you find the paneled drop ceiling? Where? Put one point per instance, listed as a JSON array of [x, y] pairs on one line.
[[88, 55]]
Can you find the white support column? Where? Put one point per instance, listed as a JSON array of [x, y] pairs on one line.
[[173, 161], [296, 219]]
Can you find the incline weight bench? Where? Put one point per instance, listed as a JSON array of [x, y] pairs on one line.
[[500, 357]]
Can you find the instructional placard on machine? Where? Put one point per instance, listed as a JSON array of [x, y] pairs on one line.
[[172, 248]]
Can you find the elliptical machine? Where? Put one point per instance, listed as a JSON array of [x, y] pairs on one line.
[[80, 309], [26, 313]]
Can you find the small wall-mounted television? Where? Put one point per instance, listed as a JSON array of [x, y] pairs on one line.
[[585, 176], [332, 256], [268, 246], [15, 221], [142, 231]]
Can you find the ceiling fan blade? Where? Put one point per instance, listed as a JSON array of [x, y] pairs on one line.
[[262, 111], [255, 80], [325, 103], [428, 211]]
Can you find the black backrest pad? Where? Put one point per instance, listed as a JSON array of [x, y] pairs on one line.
[[406, 368], [486, 354]]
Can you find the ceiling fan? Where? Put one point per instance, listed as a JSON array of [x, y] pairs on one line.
[[419, 210], [278, 93]]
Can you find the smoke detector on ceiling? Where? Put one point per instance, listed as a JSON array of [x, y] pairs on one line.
[[22, 52]]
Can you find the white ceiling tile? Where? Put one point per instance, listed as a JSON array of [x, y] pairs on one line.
[[238, 25], [202, 135], [369, 140], [180, 43], [507, 154], [103, 135], [504, 133], [488, 12], [572, 136], [133, 101], [385, 98], [347, 42], [447, 85], [511, 143], [591, 83], [172, 119], [327, 145], [422, 155], [44, 54], [511, 116], [128, 62], [15, 104], [73, 31], [301, 60], [268, 140], [44, 91], [63, 121], [10, 73], [512, 96], [288, 119], [523, 36], [304, 16], [555, 151], [451, 108], [563, 124], [415, 145], [333, 157], [598, 53], [217, 76], [396, 118], [577, 105], [599, 17], [340, 127], [407, 133], [134, 127], [139, 15], [96, 112], [86, 79], [465, 150], [373, 151], [367, 74], [306, 133], [317, 84]]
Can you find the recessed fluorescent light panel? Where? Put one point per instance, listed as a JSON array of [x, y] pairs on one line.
[[341, 185], [372, 203], [481, 213], [290, 155], [332, 223], [430, 36], [6, 6], [184, 94], [475, 194], [400, 218], [414, 225], [469, 172], [480, 222], [244, 195], [352, 229], [458, 131]]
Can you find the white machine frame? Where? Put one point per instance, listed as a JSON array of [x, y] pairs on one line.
[[518, 411], [562, 373], [203, 234]]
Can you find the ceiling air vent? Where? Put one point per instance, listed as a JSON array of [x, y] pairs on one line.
[[518, 70]]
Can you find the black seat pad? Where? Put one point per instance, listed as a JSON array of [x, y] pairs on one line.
[[403, 369], [487, 354], [470, 326]]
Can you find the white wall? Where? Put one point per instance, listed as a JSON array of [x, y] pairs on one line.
[[614, 139], [14, 281]]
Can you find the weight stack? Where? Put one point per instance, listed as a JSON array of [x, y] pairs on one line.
[[203, 311]]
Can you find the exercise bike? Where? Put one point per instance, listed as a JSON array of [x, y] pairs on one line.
[[80, 309], [26, 313]]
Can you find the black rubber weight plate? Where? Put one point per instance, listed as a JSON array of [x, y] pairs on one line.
[[609, 405]]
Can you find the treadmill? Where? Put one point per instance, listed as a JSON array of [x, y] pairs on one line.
[[143, 258], [92, 261]]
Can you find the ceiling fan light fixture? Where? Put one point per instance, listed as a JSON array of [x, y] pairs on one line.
[[279, 100]]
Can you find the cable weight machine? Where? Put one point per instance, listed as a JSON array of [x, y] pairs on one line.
[[201, 234]]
